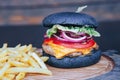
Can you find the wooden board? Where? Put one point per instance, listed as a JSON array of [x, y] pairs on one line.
[[105, 65]]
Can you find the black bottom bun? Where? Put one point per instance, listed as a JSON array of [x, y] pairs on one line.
[[74, 62]]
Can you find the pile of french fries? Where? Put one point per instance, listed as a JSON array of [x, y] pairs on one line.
[[16, 62]]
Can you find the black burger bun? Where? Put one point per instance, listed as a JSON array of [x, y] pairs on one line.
[[74, 62], [70, 19]]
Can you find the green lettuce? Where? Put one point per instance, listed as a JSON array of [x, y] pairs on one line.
[[85, 29]]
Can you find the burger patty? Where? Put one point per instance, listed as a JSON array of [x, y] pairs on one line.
[[50, 51]]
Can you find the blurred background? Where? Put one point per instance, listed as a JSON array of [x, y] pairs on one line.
[[21, 20]]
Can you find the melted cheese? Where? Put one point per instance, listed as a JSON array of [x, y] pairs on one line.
[[61, 51]]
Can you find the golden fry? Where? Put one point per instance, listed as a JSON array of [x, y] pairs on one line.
[[20, 76], [44, 58], [37, 58], [3, 53], [29, 70], [10, 76], [18, 64], [4, 69], [3, 59], [17, 46], [5, 45]]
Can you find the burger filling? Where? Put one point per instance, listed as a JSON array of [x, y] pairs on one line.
[[61, 41]]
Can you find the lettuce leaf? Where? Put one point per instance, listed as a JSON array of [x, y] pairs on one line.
[[84, 29]]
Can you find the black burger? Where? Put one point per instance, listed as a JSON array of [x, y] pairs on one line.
[[69, 40]]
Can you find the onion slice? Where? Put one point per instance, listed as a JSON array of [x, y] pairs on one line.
[[59, 38], [73, 39]]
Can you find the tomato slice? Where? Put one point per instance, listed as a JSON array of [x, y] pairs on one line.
[[75, 45]]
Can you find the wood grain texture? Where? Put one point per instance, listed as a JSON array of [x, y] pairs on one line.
[[105, 65]]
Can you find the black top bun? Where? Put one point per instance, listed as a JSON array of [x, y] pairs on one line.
[[69, 19]]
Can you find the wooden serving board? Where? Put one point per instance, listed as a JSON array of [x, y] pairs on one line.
[[105, 65]]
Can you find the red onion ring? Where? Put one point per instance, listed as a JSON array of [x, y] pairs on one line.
[[73, 39], [59, 38]]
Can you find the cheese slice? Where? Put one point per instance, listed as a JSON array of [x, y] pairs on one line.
[[61, 51]]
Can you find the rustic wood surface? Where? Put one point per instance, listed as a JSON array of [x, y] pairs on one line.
[[105, 65]]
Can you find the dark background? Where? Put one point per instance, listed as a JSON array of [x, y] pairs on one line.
[[20, 20]]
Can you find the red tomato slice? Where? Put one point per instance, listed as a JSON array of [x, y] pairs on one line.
[[75, 45]]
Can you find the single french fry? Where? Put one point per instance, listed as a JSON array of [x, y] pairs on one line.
[[29, 70], [10, 76], [5, 45], [18, 46], [18, 64], [37, 58], [20, 76], [23, 48], [3, 59], [29, 47], [4, 69], [44, 58], [3, 53], [12, 50]]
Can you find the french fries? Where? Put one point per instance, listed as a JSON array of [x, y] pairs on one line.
[[16, 62]]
